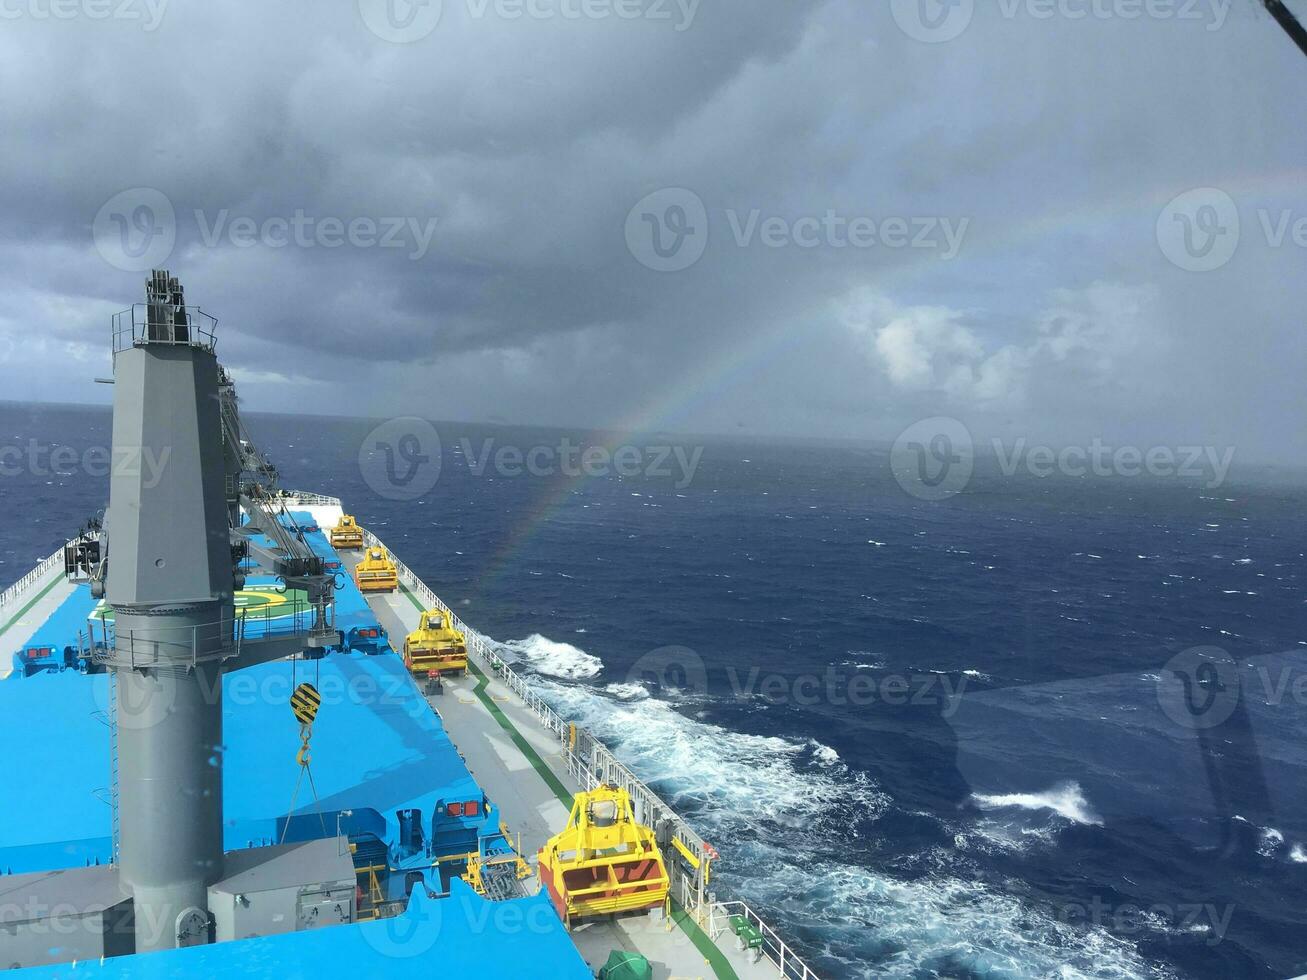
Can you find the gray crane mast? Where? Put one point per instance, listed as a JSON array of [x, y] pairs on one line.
[[171, 586], [174, 538]]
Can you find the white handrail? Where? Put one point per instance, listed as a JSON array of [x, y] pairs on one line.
[[773, 947], [310, 499], [10, 595]]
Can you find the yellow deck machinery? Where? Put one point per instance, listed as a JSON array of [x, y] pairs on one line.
[[346, 533], [435, 645], [603, 861], [496, 870], [376, 572]]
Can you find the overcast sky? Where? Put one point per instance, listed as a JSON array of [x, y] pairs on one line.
[[797, 217]]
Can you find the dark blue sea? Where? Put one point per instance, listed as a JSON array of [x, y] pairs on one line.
[[1043, 728]]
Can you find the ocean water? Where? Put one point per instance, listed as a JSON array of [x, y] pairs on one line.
[[934, 739]]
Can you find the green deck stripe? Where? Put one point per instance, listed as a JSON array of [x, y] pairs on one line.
[[525, 747], [710, 950], [37, 598], [712, 954]]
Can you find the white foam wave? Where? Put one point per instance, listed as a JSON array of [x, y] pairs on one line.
[[555, 658], [823, 755], [1067, 800], [1297, 855], [627, 692], [1272, 841], [942, 925], [731, 785]]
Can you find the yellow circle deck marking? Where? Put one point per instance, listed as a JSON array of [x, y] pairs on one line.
[[262, 599]]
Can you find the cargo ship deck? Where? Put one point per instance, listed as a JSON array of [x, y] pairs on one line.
[[381, 747]]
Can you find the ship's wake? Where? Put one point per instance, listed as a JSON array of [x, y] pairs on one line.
[[800, 830]]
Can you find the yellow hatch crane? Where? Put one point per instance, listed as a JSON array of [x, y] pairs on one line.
[[603, 861], [435, 645], [376, 572], [346, 533]]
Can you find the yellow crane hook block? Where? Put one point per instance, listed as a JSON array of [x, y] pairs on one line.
[[603, 861], [304, 702]]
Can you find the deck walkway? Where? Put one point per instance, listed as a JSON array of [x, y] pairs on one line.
[[520, 766], [36, 604]]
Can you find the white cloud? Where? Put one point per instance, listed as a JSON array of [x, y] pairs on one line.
[[934, 349]]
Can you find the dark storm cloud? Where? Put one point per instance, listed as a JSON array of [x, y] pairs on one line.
[[460, 203]]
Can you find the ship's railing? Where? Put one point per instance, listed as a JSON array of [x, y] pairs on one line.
[[278, 621], [591, 763], [132, 327], [187, 646], [176, 646], [9, 597], [476, 644], [303, 499], [773, 947]]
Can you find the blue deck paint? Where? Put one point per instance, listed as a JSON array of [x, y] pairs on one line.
[[376, 746], [458, 936], [377, 749], [59, 630], [353, 614]]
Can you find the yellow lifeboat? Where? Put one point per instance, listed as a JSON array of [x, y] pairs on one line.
[[603, 861], [376, 572], [346, 533], [435, 645]]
